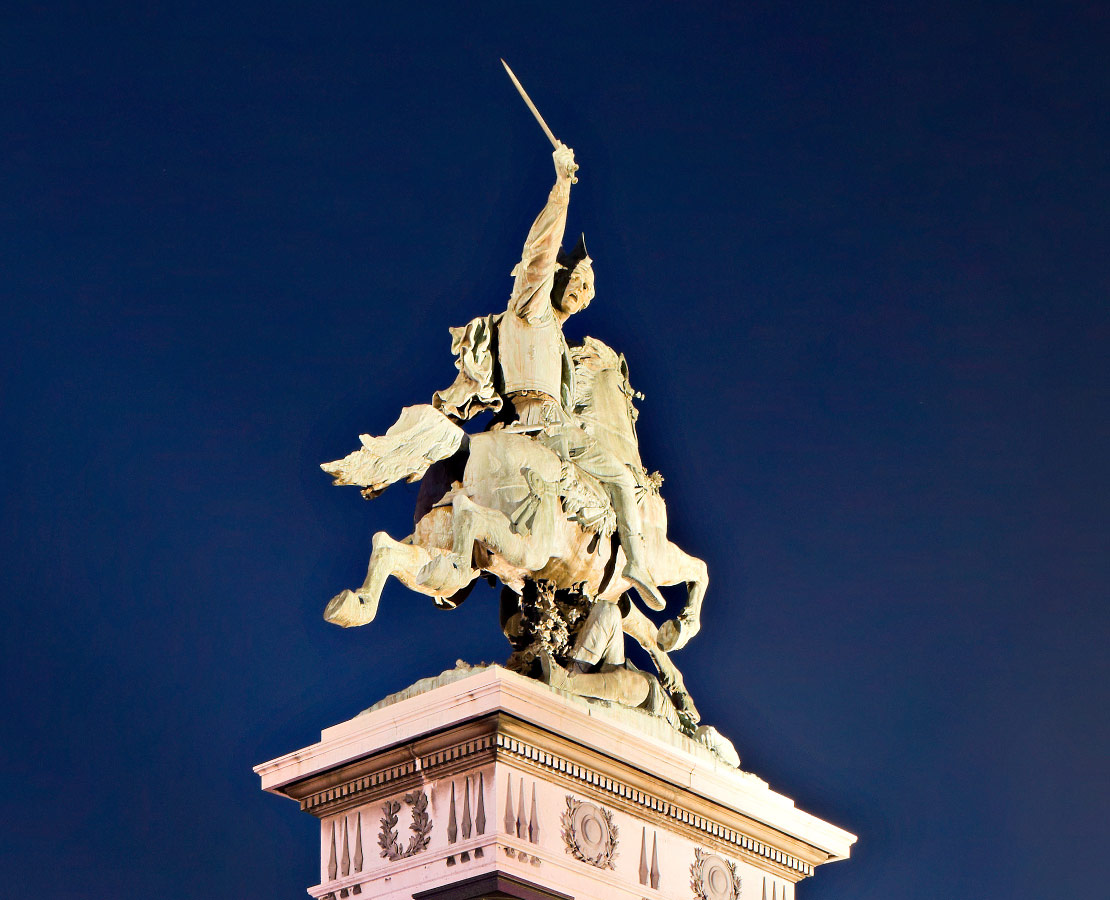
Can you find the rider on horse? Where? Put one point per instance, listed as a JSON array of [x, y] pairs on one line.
[[517, 362]]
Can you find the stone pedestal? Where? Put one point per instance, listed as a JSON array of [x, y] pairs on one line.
[[485, 784]]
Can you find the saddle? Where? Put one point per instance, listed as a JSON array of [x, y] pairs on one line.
[[581, 495], [537, 485]]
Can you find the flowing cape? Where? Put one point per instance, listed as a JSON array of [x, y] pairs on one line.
[[421, 436], [473, 390]]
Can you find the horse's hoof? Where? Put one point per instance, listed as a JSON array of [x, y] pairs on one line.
[[675, 634], [669, 634], [347, 609]]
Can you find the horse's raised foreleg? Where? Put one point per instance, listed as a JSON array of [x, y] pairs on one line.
[[675, 633], [409, 563]]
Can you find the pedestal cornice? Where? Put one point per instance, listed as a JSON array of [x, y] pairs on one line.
[[507, 731]]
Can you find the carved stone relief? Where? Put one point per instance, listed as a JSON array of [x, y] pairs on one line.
[[649, 875], [713, 877], [421, 827], [477, 822], [590, 833], [519, 820], [341, 865]]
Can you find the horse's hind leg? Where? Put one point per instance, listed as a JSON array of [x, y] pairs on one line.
[[388, 557], [490, 528]]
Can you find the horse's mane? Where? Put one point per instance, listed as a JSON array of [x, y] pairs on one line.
[[591, 358]]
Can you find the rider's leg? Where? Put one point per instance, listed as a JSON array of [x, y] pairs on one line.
[[593, 458], [632, 539]]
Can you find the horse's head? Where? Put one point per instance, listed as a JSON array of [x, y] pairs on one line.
[[603, 398]]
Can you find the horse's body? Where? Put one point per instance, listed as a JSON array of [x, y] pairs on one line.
[[504, 517]]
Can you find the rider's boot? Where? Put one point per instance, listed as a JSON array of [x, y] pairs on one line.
[[632, 539], [636, 572]]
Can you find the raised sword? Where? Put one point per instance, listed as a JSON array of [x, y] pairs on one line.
[[535, 112]]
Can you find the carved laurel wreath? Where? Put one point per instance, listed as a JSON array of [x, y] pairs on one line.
[[421, 827], [590, 833], [713, 877]]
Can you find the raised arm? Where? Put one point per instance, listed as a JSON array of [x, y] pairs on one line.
[[531, 298]]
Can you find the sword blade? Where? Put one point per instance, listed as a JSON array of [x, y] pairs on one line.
[[532, 106]]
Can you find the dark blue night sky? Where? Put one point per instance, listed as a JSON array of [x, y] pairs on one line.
[[858, 259]]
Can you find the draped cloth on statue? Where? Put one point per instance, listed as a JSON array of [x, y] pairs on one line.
[[473, 390], [479, 385], [420, 437]]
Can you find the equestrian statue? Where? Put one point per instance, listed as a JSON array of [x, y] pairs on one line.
[[551, 498]]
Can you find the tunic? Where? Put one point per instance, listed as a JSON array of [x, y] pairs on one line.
[[532, 353]]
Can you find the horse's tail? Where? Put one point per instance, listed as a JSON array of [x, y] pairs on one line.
[[421, 436]]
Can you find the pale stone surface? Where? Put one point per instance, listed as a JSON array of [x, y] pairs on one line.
[[590, 778], [535, 499], [462, 670], [494, 775], [706, 736], [422, 436]]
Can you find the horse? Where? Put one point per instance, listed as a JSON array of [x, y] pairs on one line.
[[504, 505]]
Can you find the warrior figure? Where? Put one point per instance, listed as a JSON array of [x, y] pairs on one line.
[[518, 363]]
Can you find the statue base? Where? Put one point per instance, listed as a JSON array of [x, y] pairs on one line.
[[482, 783]]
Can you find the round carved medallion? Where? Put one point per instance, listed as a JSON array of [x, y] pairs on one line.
[[713, 877], [590, 833]]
